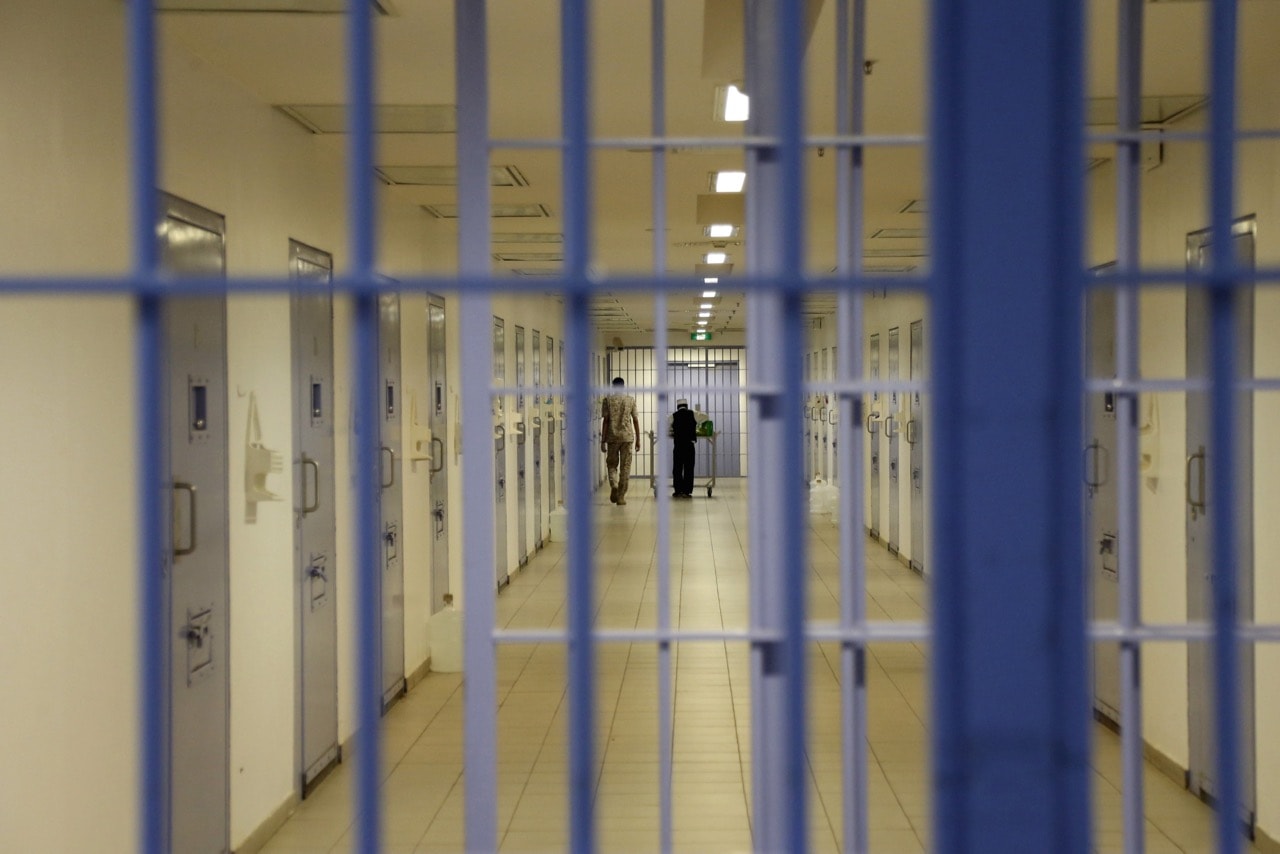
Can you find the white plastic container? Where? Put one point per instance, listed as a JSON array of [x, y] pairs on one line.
[[444, 631], [559, 524]]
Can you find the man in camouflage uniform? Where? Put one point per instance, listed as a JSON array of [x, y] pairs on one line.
[[619, 429]]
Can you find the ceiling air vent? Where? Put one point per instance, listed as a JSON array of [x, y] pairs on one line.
[[387, 118], [898, 233], [527, 257], [306, 7], [527, 237], [532, 211], [446, 176]]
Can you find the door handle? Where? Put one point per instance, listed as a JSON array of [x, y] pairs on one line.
[[1197, 505], [439, 457], [872, 420], [911, 432], [1099, 476], [392, 482], [307, 462], [190, 489]]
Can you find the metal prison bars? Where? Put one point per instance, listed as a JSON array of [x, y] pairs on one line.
[[1010, 715]]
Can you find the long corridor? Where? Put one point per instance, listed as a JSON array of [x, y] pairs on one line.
[[711, 779]]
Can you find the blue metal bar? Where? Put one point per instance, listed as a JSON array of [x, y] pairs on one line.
[[851, 51], [662, 463], [151, 415], [362, 228], [575, 100], [1010, 702], [1225, 653], [775, 219], [1128, 257], [480, 732]]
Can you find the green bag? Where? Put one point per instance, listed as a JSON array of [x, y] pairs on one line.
[[707, 428]]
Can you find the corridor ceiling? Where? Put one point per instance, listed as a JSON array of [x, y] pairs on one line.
[[294, 61]]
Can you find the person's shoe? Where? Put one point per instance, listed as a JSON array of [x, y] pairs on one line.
[[613, 494], [621, 501]]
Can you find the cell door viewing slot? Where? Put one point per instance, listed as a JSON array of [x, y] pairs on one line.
[[315, 520], [1200, 518], [192, 243]]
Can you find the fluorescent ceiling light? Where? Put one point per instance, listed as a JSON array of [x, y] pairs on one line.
[[702, 322], [732, 104], [723, 229], [704, 314], [706, 305], [710, 280], [709, 294], [716, 257], [730, 181]]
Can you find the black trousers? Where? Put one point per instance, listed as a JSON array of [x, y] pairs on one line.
[[682, 468]]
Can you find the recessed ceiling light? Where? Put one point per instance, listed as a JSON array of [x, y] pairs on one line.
[[730, 181], [721, 230], [710, 280], [706, 305], [716, 257], [732, 104], [704, 314], [709, 294], [703, 322]]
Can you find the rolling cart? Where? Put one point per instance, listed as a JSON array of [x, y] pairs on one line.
[[710, 485]]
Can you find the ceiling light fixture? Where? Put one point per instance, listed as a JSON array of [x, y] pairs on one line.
[[730, 181], [704, 314], [703, 322], [732, 104], [721, 230], [716, 257], [706, 305], [709, 294], [710, 280]]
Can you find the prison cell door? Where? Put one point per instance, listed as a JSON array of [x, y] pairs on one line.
[[874, 417], [824, 455], [1200, 518], [560, 403], [522, 490], [537, 439], [832, 416], [438, 423], [892, 432], [808, 418], [553, 431], [1101, 514], [915, 422], [391, 492], [192, 242], [314, 541], [500, 453]]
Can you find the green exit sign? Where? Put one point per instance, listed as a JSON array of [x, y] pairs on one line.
[[699, 336]]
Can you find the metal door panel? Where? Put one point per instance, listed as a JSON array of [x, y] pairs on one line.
[[553, 433], [537, 439], [192, 243], [914, 437], [893, 432], [824, 453], [1199, 519], [391, 498], [500, 453], [1101, 508], [721, 402], [831, 415], [438, 422], [874, 418], [808, 418], [522, 491], [315, 521]]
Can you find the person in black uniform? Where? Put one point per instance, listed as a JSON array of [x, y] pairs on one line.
[[684, 432]]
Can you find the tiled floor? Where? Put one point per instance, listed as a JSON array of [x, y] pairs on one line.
[[423, 739]]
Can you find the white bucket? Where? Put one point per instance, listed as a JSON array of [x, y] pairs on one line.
[[444, 631]]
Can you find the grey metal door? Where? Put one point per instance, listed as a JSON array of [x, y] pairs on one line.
[[391, 499], [1101, 509], [1199, 514], [192, 242], [561, 418], [500, 453], [915, 423], [892, 432], [315, 549], [824, 410], [438, 422], [808, 418], [722, 403], [522, 489], [553, 432], [537, 439], [874, 417]]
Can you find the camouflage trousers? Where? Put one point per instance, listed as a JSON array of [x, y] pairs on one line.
[[618, 460]]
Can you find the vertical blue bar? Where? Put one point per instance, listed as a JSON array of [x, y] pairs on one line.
[[661, 461], [778, 520], [851, 38], [150, 413], [1128, 259], [362, 225], [480, 702], [1225, 652], [1011, 705], [576, 168]]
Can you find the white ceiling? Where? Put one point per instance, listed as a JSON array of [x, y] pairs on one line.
[[297, 59]]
